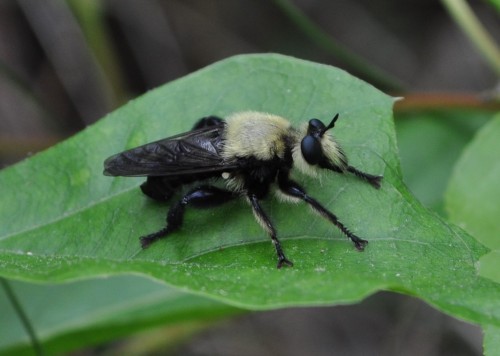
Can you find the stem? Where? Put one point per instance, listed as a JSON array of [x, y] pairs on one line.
[[465, 18], [323, 40], [22, 315], [431, 101]]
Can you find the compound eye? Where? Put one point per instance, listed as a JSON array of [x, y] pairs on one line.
[[315, 125], [311, 149]]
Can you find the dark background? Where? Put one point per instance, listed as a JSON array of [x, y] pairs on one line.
[[65, 64]]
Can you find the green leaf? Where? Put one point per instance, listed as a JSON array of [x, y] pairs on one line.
[[496, 4], [472, 202], [491, 340], [61, 219], [427, 167], [473, 194], [96, 311]]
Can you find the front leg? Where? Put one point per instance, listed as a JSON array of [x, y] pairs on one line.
[[370, 178], [292, 189], [264, 221], [373, 180]]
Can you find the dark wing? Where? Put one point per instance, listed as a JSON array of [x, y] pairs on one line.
[[197, 151]]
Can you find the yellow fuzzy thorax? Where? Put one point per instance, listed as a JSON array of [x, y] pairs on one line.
[[255, 134]]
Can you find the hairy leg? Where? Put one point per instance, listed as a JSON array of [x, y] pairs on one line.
[[265, 222], [202, 197], [291, 188], [370, 178]]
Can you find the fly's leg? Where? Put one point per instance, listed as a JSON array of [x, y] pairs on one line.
[[370, 178], [202, 197], [207, 121], [159, 188], [265, 222], [291, 188]]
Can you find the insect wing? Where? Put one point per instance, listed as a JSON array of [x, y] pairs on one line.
[[197, 151]]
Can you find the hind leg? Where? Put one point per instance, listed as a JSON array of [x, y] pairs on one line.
[[159, 188], [202, 197], [207, 121]]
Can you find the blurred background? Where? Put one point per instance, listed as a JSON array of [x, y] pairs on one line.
[[65, 64]]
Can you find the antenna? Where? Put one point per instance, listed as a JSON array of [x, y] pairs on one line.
[[331, 125]]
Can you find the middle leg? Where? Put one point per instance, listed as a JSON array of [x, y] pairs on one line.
[[265, 222]]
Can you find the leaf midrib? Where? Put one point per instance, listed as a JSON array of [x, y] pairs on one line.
[[67, 215]]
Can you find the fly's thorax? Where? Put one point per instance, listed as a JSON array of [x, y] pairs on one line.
[[255, 134]]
